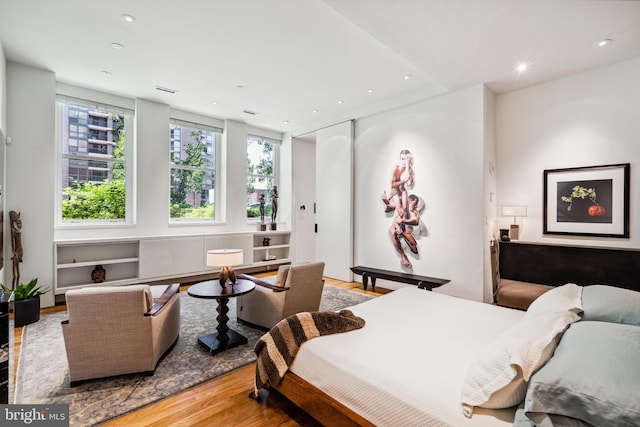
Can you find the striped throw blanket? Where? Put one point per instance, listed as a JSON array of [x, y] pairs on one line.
[[277, 348]]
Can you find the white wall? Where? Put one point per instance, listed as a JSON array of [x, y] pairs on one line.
[[445, 134], [490, 187], [3, 121], [30, 188], [586, 119], [3, 89]]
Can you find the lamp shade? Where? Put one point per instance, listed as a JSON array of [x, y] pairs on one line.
[[514, 211], [224, 257]]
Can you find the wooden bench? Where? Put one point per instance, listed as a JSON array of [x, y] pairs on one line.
[[422, 282]]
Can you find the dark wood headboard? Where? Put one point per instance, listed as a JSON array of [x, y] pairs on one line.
[[559, 264]]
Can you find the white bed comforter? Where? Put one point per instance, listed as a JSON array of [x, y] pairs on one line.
[[407, 365]]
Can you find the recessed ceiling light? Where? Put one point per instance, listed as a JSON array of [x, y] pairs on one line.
[[407, 76], [127, 17], [240, 87], [522, 67], [106, 73], [604, 42], [286, 122], [340, 101], [370, 90], [314, 111], [215, 102], [117, 46]]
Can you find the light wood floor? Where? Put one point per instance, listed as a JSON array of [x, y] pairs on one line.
[[222, 401]]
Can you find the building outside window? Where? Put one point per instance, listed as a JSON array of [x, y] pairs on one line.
[[261, 174], [93, 165], [193, 171]]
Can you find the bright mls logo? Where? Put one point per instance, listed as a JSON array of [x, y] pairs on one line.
[[34, 415]]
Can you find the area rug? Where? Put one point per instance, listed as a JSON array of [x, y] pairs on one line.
[[43, 376]]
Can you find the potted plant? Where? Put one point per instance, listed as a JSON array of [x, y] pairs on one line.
[[26, 302]]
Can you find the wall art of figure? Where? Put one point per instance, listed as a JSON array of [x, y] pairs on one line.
[[405, 208]]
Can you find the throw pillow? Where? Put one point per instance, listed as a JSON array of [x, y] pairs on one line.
[[559, 299], [592, 376], [609, 304], [496, 378]]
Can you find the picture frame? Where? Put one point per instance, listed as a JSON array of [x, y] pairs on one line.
[[587, 201]]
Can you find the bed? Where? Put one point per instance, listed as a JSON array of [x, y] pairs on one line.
[[428, 359]]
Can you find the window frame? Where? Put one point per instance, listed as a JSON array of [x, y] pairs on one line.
[[217, 143], [92, 100], [275, 143]]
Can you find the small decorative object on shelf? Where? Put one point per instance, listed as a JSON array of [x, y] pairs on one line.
[[99, 274], [268, 257], [265, 241]]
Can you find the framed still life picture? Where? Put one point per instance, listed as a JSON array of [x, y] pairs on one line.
[[587, 201]]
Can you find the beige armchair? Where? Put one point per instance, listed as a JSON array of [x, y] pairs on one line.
[[294, 289], [120, 329]]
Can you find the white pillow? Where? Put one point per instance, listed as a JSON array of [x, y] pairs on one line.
[[497, 377], [559, 299]]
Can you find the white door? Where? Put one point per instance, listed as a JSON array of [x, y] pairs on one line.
[[334, 195], [304, 198]]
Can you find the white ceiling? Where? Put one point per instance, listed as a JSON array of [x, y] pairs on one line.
[[292, 57]]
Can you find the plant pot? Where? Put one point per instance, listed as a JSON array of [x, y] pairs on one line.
[[26, 311]]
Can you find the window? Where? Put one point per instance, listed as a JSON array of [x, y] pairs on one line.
[[93, 150], [261, 174], [193, 170]]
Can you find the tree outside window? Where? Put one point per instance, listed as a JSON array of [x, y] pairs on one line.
[[93, 166], [192, 194], [260, 174]]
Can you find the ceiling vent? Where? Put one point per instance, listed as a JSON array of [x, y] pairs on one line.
[[165, 89], [253, 113]]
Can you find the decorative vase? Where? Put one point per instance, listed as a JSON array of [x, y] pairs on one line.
[[99, 274], [26, 311]]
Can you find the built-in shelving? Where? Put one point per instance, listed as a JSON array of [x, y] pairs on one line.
[[76, 260], [137, 260], [275, 252]]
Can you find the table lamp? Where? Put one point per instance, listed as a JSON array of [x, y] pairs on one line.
[[226, 259], [514, 211]]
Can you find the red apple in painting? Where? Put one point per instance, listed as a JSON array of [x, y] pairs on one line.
[[596, 210]]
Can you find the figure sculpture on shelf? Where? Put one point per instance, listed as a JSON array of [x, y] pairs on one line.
[[262, 208], [16, 245], [263, 226], [274, 206]]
